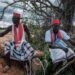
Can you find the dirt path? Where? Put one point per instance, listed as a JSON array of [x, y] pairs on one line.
[[14, 70]]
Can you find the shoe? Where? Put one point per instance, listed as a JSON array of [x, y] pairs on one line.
[[6, 68]]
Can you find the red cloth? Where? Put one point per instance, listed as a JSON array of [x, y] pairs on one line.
[[55, 22], [16, 14], [18, 34], [52, 37]]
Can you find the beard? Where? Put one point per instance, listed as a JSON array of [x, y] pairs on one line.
[[55, 30]]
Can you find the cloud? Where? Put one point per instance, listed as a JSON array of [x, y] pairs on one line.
[[52, 1]]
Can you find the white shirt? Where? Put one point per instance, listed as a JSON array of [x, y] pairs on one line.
[[48, 35]]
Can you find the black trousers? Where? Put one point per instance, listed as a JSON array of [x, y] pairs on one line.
[[9, 61]]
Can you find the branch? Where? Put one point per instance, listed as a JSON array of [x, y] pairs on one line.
[[61, 69], [6, 8], [37, 8]]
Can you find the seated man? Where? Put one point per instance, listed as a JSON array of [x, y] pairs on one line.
[[18, 49], [59, 51]]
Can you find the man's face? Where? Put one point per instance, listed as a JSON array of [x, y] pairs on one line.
[[16, 20], [55, 28]]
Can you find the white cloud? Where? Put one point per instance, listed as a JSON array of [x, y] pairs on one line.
[[52, 1], [9, 1], [4, 24]]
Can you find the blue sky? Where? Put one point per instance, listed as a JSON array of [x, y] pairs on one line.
[[10, 1], [52, 1], [7, 19]]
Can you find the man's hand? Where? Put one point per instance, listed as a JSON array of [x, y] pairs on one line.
[[0, 35], [65, 49], [38, 53], [53, 46], [8, 29]]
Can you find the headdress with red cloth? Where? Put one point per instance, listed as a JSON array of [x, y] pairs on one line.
[[58, 34], [15, 14], [55, 22]]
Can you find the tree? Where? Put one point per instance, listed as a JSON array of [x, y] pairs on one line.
[[45, 10]]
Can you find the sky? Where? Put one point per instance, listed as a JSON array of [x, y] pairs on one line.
[[12, 1], [52, 1], [7, 19]]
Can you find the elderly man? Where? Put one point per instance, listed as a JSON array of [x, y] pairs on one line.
[[18, 49], [59, 50]]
